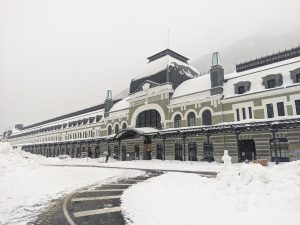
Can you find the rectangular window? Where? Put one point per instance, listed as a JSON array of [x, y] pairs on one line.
[[244, 113], [237, 114], [297, 103], [271, 83], [280, 109], [250, 112], [270, 111], [241, 89]]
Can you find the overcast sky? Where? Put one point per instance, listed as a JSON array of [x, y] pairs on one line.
[[57, 56]]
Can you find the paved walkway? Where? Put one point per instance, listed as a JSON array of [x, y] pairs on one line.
[[100, 205]]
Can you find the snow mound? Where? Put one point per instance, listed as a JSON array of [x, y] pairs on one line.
[[241, 194]]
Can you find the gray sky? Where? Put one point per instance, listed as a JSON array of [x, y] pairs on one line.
[[57, 56]]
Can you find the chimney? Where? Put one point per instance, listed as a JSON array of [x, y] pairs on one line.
[[108, 104], [216, 75]]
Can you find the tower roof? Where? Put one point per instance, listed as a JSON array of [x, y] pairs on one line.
[[170, 53]]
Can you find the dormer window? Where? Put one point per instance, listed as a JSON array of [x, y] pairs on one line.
[[272, 81], [298, 78], [242, 87], [241, 90], [295, 75]]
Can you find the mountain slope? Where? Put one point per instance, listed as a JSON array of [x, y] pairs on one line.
[[249, 48]]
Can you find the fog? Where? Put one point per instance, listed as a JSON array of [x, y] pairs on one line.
[[58, 56]]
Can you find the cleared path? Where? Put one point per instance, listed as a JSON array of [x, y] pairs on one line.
[[100, 205]]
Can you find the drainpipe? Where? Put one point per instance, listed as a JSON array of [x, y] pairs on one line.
[[184, 136], [119, 143], [164, 146]]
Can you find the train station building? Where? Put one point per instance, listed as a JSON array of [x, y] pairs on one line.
[[172, 112]]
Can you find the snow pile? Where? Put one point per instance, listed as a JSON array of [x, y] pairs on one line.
[[26, 187], [241, 194]]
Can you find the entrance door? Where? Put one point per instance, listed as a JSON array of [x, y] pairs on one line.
[[123, 153], [97, 152], [116, 152], [247, 150], [147, 148], [208, 152], [192, 148], [282, 150], [159, 151], [136, 152], [178, 151]]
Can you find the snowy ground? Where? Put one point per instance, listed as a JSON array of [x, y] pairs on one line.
[[242, 194], [26, 187]]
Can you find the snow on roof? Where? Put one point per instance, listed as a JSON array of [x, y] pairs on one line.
[[255, 76], [161, 64], [121, 105], [95, 113], [198, 87]]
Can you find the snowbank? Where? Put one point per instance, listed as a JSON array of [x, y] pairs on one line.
[[26, 187], [241, 194]]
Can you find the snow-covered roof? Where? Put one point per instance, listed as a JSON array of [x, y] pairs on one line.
[[255, 76], [99, 112], [197, 84], [193, 89], [121, 105], [161, 64]]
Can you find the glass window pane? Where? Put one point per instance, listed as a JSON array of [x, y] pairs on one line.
[[237, 114], [297, 103], [280, 109], [244, 113], [250, 112], [270, 111]]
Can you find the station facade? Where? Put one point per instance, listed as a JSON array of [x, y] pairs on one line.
[[172, 112]]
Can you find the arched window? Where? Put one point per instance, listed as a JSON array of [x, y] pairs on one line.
[[206, 117], [109, 130], [177, 121], [124, 126], [149, 118], [116, 128], [191, 119]]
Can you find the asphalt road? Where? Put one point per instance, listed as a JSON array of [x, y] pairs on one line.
[[90, 207]]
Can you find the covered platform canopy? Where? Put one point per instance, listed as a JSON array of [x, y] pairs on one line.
[[232, 127]]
